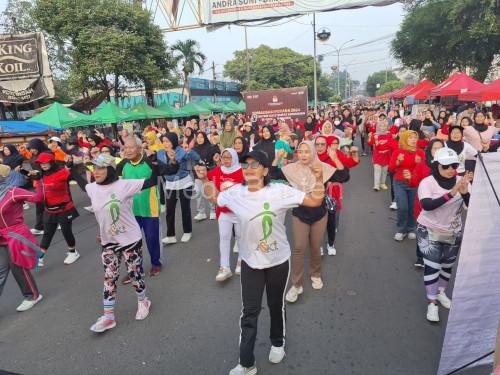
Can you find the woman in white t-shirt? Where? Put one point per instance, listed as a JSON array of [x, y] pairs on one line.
[[261, 209], [439, 230], [464, 150], [120, 234]]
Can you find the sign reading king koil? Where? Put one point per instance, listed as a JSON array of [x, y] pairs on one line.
[[25, 74], [283, 104]]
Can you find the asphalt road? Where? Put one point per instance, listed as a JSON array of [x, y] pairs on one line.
[[368, 319]]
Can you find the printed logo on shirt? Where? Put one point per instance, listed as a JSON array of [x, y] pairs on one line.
[[267, 229], [114, 211]]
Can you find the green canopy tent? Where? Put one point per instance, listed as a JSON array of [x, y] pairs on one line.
[[193, 109], [142, 111], [213, 107], [242, 106], [111, 114], [231, 107], [59, 116], [169, 111]]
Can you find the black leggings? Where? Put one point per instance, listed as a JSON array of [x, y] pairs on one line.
[[331, 227], [363, 143], [50, 229], [184, 196], [391, 177]]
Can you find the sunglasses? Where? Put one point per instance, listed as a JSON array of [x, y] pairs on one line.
[[253, 165], [454, 166]]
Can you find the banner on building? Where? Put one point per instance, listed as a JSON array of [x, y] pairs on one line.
[[283, 104], [25, 74], [475, 311], [228, 11]]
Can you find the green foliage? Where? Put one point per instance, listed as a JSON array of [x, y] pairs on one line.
[[440, 36], [390, 86], [378, 78], [107, 43], [345, 80], [187, 54]]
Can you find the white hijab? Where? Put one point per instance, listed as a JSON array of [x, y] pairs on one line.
[[235, 164]]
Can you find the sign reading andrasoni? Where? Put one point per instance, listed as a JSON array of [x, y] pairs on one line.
[[25, 74], [283, 104]]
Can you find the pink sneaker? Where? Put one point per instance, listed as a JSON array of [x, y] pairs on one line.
[[143, 309], [103, 324]]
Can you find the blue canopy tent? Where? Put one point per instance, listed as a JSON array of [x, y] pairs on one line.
[[23, 127]]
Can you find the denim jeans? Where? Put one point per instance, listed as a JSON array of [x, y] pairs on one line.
[[405, 198]]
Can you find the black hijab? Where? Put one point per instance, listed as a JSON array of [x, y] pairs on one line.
[[172, 137], [457, 146], [111, 176], [267, 145], [206, 151], [445, 183], [479, 127], [15, 159], [242, 154], [415, 125], [428, 151]]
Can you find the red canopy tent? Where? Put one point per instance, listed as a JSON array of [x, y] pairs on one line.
[[490, 91], [401, 93], [421, 91], [456, 84]]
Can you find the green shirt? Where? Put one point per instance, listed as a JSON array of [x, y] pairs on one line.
[[147, 202]]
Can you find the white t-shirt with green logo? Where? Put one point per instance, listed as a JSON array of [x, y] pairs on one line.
[[112, 205], [262, 213]]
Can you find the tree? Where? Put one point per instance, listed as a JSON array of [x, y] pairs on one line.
[[108, 43], [440, 36], [347, 84], [390, 86], [188, 55], [378, 78]]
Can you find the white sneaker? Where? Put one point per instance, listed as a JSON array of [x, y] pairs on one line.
[[28, 304], [186, 237], [143, 309], [444, 300], [89, 209], [399, 236], [59, 227], [213, 216], [163, 208], [169, 240], [321, 252], [41, 262], [200, 217], [317, 283], [412, 236], [72, 182], [294, 293], [26, 206], [71, 257], [393, 206], [332, 250], [235, 247], [240, 370], [223, 274], [276, 354], [237, 270], [36, 232], [432, 313]]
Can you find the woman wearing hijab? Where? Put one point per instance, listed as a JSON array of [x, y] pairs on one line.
[[19, 249], [403, 161], [228, 135], [421, 171], [223, 177], [207, 152], [429, 124], [309, 224], [464, 150], [152, 141], [241, 147], [439, 232], [381, 143], [178, 185], [479, 134], [11, 157], [267, 142]]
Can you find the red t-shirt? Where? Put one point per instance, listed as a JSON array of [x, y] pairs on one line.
[[223, 182], [381, 151], [409, 162], [420, 172]]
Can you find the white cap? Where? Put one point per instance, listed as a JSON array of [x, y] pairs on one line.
[[446, 156], [55, 139]]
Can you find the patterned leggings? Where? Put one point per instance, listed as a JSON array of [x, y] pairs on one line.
[[111, 258], [439, 258]]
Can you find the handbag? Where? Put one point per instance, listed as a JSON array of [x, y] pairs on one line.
[[331, 204]]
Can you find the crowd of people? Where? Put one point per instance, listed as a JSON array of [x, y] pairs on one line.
[[246, 175]]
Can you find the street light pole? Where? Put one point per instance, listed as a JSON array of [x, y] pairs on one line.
[[248, 59], [338, 64], [314, 69]]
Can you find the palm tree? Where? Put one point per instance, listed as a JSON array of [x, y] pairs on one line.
[[188, 55]]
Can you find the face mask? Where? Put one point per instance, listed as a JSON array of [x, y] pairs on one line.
[[336, 122]]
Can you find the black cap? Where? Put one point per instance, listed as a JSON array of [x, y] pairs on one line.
[[259, 156]]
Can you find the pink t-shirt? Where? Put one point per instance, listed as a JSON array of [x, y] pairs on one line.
[[112, 206], [447, 218], [473, 137]]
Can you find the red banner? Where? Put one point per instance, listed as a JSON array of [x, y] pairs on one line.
[[283, 104]]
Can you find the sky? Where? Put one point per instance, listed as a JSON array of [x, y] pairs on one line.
[[363, 25]]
